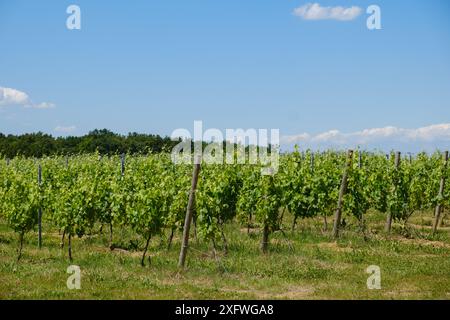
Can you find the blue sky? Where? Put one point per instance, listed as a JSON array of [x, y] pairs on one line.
[[155, 66]]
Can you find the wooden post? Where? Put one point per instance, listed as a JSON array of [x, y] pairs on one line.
[[67, 161], [122, 163], [443, 214], [312, 162], [7, 161], [389, 217], [40, 209], [343, 189], [265, 239], [441, 193], [70, 247], [189, 213]]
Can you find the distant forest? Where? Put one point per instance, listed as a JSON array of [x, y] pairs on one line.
[[104, 141]]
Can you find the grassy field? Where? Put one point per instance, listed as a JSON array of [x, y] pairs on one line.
[[303, 264]]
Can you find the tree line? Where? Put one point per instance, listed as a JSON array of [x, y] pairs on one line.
[[103, 141]]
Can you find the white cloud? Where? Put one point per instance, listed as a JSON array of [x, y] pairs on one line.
[[428, 137], [313, 11], [14, 97], [62, 129], [10, 96], [295, 139]]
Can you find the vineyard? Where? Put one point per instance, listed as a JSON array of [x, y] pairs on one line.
[[147, 196]]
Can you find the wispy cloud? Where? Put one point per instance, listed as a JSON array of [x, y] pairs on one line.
[[44, 105], [313, 11], [428, 137], [14, 97], [62, 129]]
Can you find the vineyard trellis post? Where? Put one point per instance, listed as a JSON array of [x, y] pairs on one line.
[[441, 194], [40, 209], [7, 161], [189, 214], [343, 189], [122, 164], [389, 216]]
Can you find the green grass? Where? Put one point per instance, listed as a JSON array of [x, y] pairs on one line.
[[303, 264]]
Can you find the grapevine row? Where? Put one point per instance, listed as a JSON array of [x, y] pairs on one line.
[[149, 193]]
